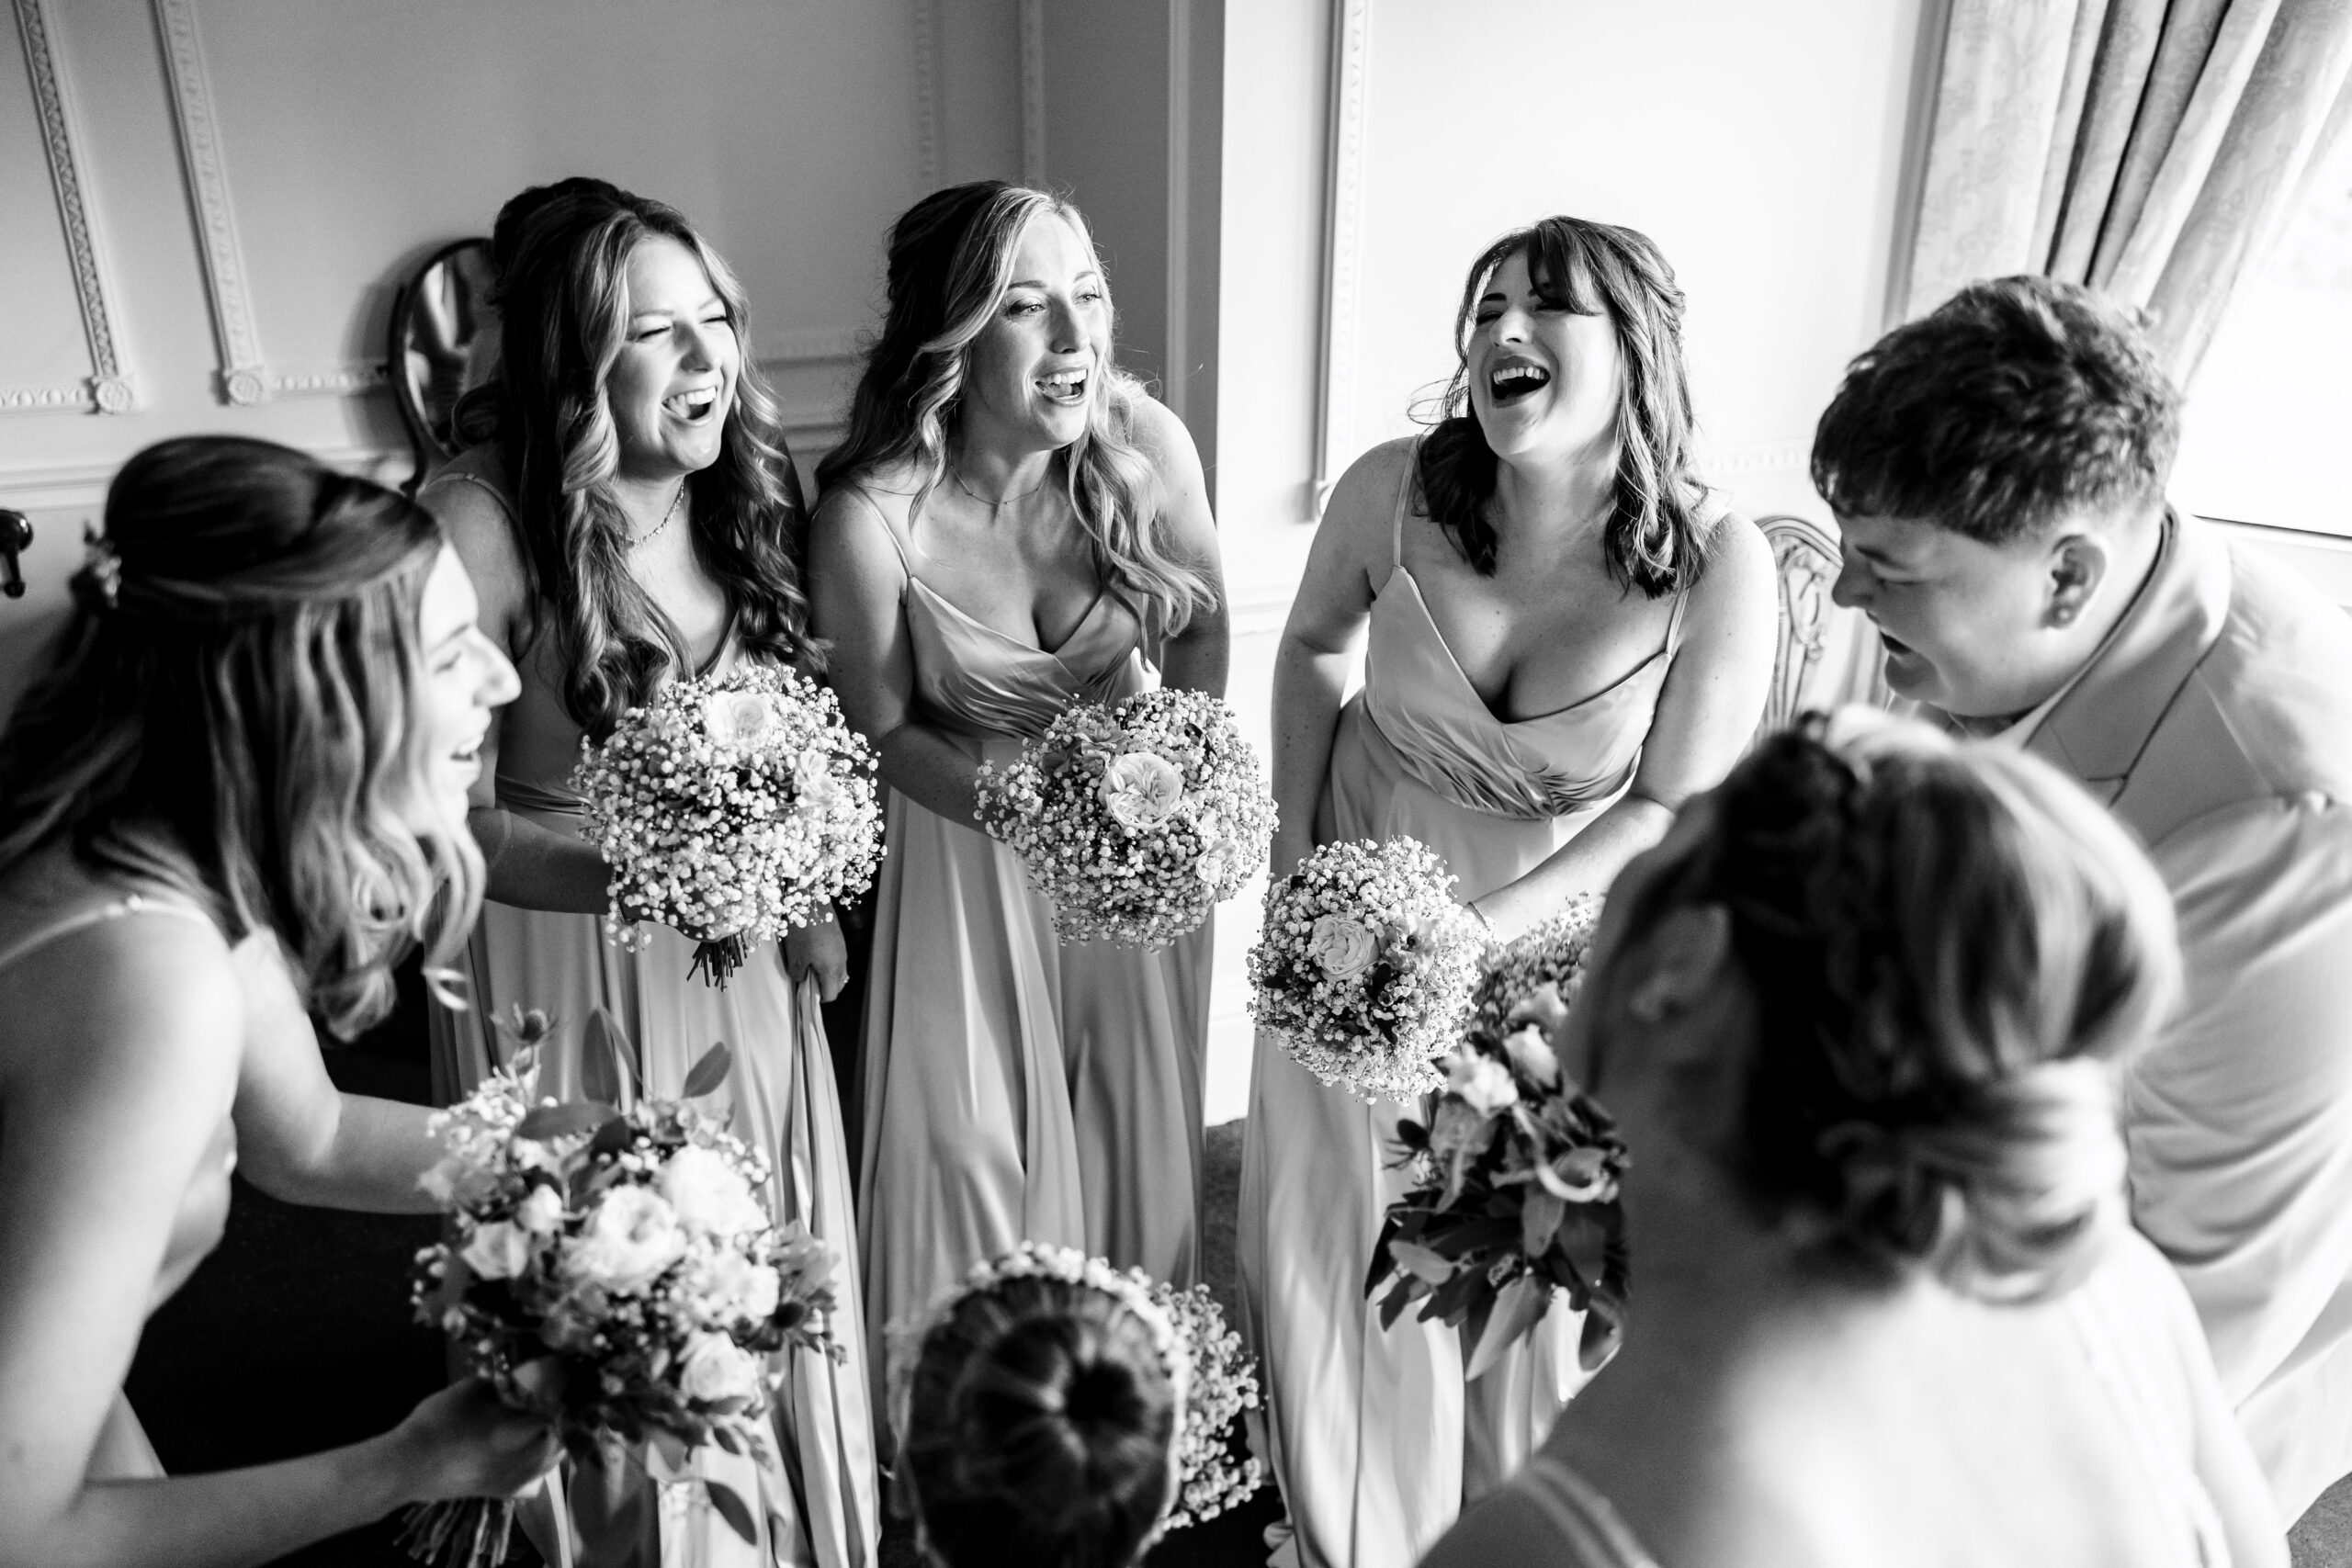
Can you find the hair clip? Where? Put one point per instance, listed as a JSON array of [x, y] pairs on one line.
[[104, 564]]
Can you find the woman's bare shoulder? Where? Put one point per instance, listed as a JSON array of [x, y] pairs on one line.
[[469, 497]]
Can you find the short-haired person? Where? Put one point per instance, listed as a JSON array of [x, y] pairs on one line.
[[1998, 470], [233, 798], [1859, 1018]]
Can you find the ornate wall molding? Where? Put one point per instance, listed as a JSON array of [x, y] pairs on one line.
[[1176, 361], [1342, 233], [107, 389], [243, 377], [1032, 92], [929, 133]]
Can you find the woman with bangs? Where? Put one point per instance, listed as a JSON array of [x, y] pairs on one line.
[[234, 799], [1564, 639], [1011, 525], [636, 519]]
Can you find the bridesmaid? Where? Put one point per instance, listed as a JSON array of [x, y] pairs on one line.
[[637, 519], [1565, 642], [236, 797], [1011, 524]]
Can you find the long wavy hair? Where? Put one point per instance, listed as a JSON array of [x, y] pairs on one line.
[[1951, 950], [1657, 540], [564, 309], [950, 261], [228, 712]]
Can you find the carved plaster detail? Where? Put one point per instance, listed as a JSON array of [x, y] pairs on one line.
[[1342, 231], [1033, 93], [929, 136], [243, 378], [108, 388]]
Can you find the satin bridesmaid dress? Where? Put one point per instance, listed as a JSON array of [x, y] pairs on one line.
[[1016, 1088], [1376, 1441], [817, 1503]]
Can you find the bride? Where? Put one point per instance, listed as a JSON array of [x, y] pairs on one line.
[[236, 796], [1565, 642]]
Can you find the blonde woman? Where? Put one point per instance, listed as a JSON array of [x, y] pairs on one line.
[[635, 520], [1858, 1018], [236, 797], [1011, 524]]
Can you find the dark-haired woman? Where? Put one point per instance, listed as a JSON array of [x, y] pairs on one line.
[[1040, 1416], [1011, 525], [1565, 642], [1859, 1018], [637, 519], [233, 799]]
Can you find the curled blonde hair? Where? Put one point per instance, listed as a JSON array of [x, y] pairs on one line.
[[950, 261], [229, 712], [1950, 948]]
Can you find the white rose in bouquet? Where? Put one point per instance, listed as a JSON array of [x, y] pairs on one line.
[[1483, 1084], [1220, 857], [1343, 947], [1533, 1054], [745, 720], [630, 1238], [542, 1212], [814, 786], [498, 1251], [735, 1287], [708, 1194], [716, 1368], [1141, 790]]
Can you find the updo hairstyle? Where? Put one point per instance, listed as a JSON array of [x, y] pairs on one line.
[[1040, 1430], [1950, 947], [228, 712]]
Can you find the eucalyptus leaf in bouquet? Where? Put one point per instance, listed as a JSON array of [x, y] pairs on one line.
[[1515, 1203], [732, 808], [1134, 818]]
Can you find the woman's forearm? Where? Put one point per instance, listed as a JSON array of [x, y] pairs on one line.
[[222, 1521], [532, 867], [1586, 863], [931, 770], [1308, 686], [369, 1160]]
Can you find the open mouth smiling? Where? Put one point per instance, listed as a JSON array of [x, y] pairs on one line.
[[1067, 388], [1509, 380], [692, 407]]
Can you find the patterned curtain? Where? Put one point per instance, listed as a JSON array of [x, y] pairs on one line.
[[2151, 149]]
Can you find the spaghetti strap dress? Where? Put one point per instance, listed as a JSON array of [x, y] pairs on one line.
[[1016, 1088], [1376, 1441], [816, 1503], [122, 1452]]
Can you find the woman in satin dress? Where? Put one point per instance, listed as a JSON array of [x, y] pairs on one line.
[[1011, 525], [1566, 638], [635, 519], [233, 799]]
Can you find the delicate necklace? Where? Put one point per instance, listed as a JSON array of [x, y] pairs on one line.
[[649, 538], [957, 475]]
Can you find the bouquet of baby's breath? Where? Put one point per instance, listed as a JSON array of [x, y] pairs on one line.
[[733, 808], [1134, 818], [1517, 1199], [614, 1270], [1366, 965]]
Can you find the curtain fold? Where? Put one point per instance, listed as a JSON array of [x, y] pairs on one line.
[[2151, 149]]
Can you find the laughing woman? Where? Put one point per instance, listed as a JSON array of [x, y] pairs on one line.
[[1011, 525], [1565, 642], [636, 520]]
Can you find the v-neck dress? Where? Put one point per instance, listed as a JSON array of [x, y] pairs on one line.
[[1016, 1088], [818, 1498], [1376, 1441]]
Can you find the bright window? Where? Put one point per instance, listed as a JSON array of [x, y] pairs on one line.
[[2267, 436]]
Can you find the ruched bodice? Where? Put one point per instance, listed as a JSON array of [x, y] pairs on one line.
[[1416, 695], [974, 680]]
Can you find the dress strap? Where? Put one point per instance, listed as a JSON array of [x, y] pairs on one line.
[[883, 521], [1587, 1526], [1404, 499], [120, 908], [1674, 621]]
